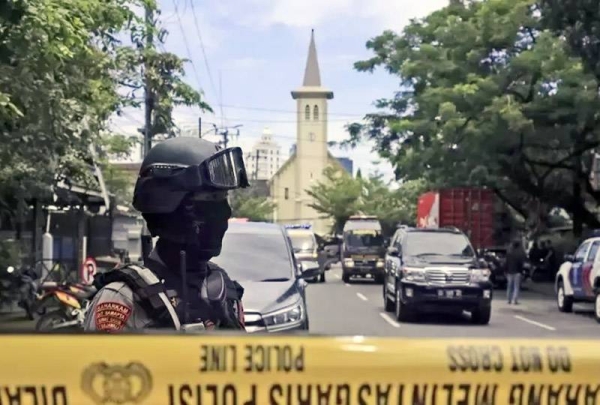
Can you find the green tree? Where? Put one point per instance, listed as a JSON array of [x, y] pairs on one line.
[[119, 182], [57, 66], [337, 196], [577, 21], [244, 204], [489, 98], [60, 66], [391, 206]]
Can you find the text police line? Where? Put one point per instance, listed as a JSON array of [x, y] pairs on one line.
[[33, 394], [397, 394], [251, 358], [519, 359]]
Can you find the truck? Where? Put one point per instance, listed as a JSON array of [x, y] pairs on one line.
[[363, 249], [475, 211], [478, 213]]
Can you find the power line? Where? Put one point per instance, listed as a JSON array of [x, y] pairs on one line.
[[275, 110], [210, 78], [187, 46], [331, 143], [239, 107]]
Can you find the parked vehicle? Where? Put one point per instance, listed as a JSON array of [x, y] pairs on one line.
[[495, 257], [363, 249], [435, 270], [69, 304], [578, 278], [305, 245], [475, 211], [259, 256]]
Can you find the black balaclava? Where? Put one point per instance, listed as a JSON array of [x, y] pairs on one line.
[[197, 227]]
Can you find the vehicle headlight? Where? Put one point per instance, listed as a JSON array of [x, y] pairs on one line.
[[315, 255], [479, 275], [348, 262], [285, 318], [379, 263], [413, 274]]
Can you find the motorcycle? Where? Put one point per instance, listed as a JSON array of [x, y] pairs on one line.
[[72, 302]]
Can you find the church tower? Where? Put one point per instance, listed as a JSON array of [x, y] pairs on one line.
[[312, 155]]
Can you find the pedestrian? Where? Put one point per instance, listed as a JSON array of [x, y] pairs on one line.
[[551, 260], [515, 261], [535, 252], [181, 191]]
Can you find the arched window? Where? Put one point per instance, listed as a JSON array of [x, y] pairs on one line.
[[307, 113], [316, 113]]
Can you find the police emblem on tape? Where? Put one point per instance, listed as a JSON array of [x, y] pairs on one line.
[[116, 384]]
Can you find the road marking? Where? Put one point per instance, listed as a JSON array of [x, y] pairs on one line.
[[389, 319], [347, 285], [541, 325], [362, 297], [337, 276]]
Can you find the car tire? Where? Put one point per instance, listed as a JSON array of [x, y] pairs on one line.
[[345, 277], [403, 313], [481, 316], [322, 278], [563, 302], [597, 306], [388, 304]]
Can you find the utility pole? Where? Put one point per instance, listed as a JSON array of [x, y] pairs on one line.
[[146, 238], [148, 96], [199, 127], [257, 158], [225, 135]]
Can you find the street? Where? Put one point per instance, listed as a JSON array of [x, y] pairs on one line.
[[336, 308]]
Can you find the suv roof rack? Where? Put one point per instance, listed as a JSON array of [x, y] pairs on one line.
[[298, 226]]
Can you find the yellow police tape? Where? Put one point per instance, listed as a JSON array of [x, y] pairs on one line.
[[170, 370]]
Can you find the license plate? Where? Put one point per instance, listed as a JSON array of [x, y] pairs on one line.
[[449, 293]]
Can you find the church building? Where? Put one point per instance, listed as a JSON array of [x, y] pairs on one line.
[[311, 156]]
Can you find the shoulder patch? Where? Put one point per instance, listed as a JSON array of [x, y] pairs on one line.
[[111, 316]]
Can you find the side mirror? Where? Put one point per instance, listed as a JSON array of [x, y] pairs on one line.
[[310, 270], [570, 258], [393, 251]]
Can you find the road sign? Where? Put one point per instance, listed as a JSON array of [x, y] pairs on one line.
[[88, 270]]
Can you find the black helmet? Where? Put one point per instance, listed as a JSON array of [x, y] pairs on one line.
[[179, 166]]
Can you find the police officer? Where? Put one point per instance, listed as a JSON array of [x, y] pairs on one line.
[[181, 192]]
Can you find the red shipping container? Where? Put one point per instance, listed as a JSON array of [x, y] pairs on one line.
[[472, 210]]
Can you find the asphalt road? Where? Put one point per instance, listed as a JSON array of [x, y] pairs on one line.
[[337, 308]]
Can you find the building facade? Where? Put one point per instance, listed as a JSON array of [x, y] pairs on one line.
[[311, 156], [264, 159]]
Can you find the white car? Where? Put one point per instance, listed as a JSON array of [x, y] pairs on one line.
[[578, 279]]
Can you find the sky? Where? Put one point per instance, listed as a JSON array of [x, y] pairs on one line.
[[247, 55]]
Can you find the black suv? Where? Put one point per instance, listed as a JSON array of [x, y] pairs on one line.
[[435, 270]]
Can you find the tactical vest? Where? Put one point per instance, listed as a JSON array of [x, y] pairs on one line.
[[218, 294]]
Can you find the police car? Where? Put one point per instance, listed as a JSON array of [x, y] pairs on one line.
[[305, 244], [578, 279]]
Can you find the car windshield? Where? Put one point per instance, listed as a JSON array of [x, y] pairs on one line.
[[437, 243], [364, 238], [302, 242], [255, 255]]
